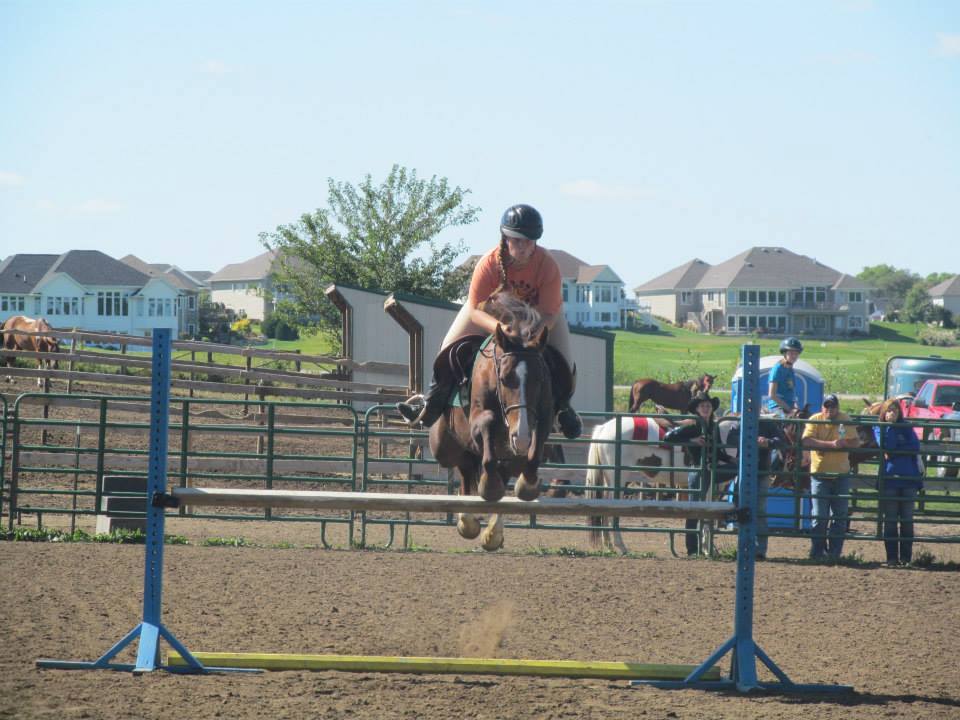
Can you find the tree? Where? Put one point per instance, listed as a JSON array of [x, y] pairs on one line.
[[374, 236], [917, 306], [889, 283]]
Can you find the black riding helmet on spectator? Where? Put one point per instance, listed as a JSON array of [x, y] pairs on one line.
[[791, 343]]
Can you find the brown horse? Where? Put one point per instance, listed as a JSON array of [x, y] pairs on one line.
[[675, 396], [30, 343], [503, 433]]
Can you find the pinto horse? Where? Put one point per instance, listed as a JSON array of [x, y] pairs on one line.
[[502, 433], [675, 396], [646, 456], [30, 343]]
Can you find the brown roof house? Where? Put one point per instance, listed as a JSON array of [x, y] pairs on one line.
[[947, 295], [190, 288], [765, 289], [593, 295], [246, 287]]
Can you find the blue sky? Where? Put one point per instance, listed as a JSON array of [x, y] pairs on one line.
[[647, 133]]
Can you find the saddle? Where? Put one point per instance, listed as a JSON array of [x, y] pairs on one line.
[[454, 365]]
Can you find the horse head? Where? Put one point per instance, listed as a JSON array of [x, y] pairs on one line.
[[706, 382], [523, 388]]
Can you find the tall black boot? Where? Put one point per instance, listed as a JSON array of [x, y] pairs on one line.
[[426, 409], [570, 423]]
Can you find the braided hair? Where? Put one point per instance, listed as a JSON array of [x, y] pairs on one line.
[[503, 258]]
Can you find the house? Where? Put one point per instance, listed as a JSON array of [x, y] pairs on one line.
[[189, 286], [947, 295], [247, 287], [88, 290], [762, 289], [594, 296]]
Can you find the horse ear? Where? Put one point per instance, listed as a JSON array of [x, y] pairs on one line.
[[499, 336]]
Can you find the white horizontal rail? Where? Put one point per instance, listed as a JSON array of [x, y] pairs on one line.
[[365, 501]]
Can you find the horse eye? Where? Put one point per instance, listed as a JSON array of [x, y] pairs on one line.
[[510, 380]]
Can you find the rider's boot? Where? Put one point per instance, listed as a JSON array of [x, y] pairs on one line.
[[426, 409], [570, 423]]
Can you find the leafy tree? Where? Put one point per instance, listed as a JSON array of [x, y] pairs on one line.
[[917, 306], [376, 236], [889, 283], [215, 320], [937, 277]]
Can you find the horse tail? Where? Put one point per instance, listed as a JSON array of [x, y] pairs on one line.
[[596, 479]]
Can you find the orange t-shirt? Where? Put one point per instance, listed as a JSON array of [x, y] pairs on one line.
[[538, 283]]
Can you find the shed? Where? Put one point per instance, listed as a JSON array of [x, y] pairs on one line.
[[809, 383]]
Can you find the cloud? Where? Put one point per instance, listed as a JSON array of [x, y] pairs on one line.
[[948, 44], [593, 190], [11, 179], [98, 207], [214, 67]]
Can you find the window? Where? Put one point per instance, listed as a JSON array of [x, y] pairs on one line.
[[564, 297], [604, 317], [191, 329], [192, 301], [112, 302], [731, 297], [686, 297], [762, 297], [732, 322], [855, 296], [855, 321], [12, 302], [710, 296], [63, 305], [605, 294], [819, 322]]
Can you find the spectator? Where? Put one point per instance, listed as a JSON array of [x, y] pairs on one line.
[[782, 398], [701, 433], [898, 485], [830, 480]]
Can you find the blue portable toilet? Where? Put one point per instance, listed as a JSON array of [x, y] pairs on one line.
[[809, 388]]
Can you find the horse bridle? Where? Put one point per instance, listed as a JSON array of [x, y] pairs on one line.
[[497, 358]]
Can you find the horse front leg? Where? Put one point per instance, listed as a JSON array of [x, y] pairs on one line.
[[528, 484], [468, 525], [492, 538], [491, 485]]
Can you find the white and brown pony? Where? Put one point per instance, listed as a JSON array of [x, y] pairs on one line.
[[15, 331]]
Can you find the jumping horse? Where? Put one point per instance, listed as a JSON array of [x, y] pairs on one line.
[[675, 396], [31, 343], [500, 434]]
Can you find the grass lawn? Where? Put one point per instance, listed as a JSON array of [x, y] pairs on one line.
[[848, 366]]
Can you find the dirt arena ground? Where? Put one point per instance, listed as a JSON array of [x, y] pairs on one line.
[[892, 634]]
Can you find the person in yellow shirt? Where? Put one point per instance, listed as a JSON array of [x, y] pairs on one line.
[[830, 480]]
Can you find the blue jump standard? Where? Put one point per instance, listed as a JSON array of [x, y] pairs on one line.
[[150, 629], [744, 651]]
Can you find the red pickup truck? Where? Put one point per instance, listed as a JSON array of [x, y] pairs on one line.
[[934, 399]]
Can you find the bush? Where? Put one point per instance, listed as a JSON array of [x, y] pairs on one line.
[[937, 337], [275, 327], [241, 327]]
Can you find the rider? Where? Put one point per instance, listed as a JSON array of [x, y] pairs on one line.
[[782, 392], [521, 267]]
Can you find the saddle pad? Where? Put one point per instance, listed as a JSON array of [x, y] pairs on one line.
[[647, 430]]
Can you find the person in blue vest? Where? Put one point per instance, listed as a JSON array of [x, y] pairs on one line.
[[900, 482], [782, 393]]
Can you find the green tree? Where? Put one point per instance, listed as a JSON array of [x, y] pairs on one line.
[[890, 284], [377, 236], [917, 306]]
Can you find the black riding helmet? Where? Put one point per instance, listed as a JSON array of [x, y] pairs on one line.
[[791, 343], [522, 221]]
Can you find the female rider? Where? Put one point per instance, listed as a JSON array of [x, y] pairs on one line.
[[521, 267], [900, 481]]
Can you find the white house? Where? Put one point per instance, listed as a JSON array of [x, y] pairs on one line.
[[87, 290], [947, 295], [245, 287]]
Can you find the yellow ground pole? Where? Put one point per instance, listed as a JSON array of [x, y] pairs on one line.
[[442, 665]]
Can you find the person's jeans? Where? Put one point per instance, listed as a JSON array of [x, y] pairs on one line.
[[830, 499], [725, 474], [897, 508]]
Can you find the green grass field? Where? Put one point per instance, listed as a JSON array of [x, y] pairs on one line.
[[848, 366]]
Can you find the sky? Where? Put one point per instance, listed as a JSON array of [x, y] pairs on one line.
[[647, 133]]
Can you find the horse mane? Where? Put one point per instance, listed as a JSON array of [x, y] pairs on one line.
[[524, 320]]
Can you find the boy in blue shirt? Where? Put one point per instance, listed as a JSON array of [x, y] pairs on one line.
[[782, 391]]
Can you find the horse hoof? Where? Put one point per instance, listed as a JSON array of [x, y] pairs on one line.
[[490, 490], [527, 490], [492, 541], [468, 526]]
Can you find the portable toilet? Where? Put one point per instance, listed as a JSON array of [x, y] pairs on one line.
[[809, 389]]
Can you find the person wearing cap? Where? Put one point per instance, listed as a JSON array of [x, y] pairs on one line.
[[517, 265], [828, 435], [900, 481], [701, 434], [781, 394]]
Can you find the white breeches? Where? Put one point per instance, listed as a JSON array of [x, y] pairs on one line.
[[558, 338]]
